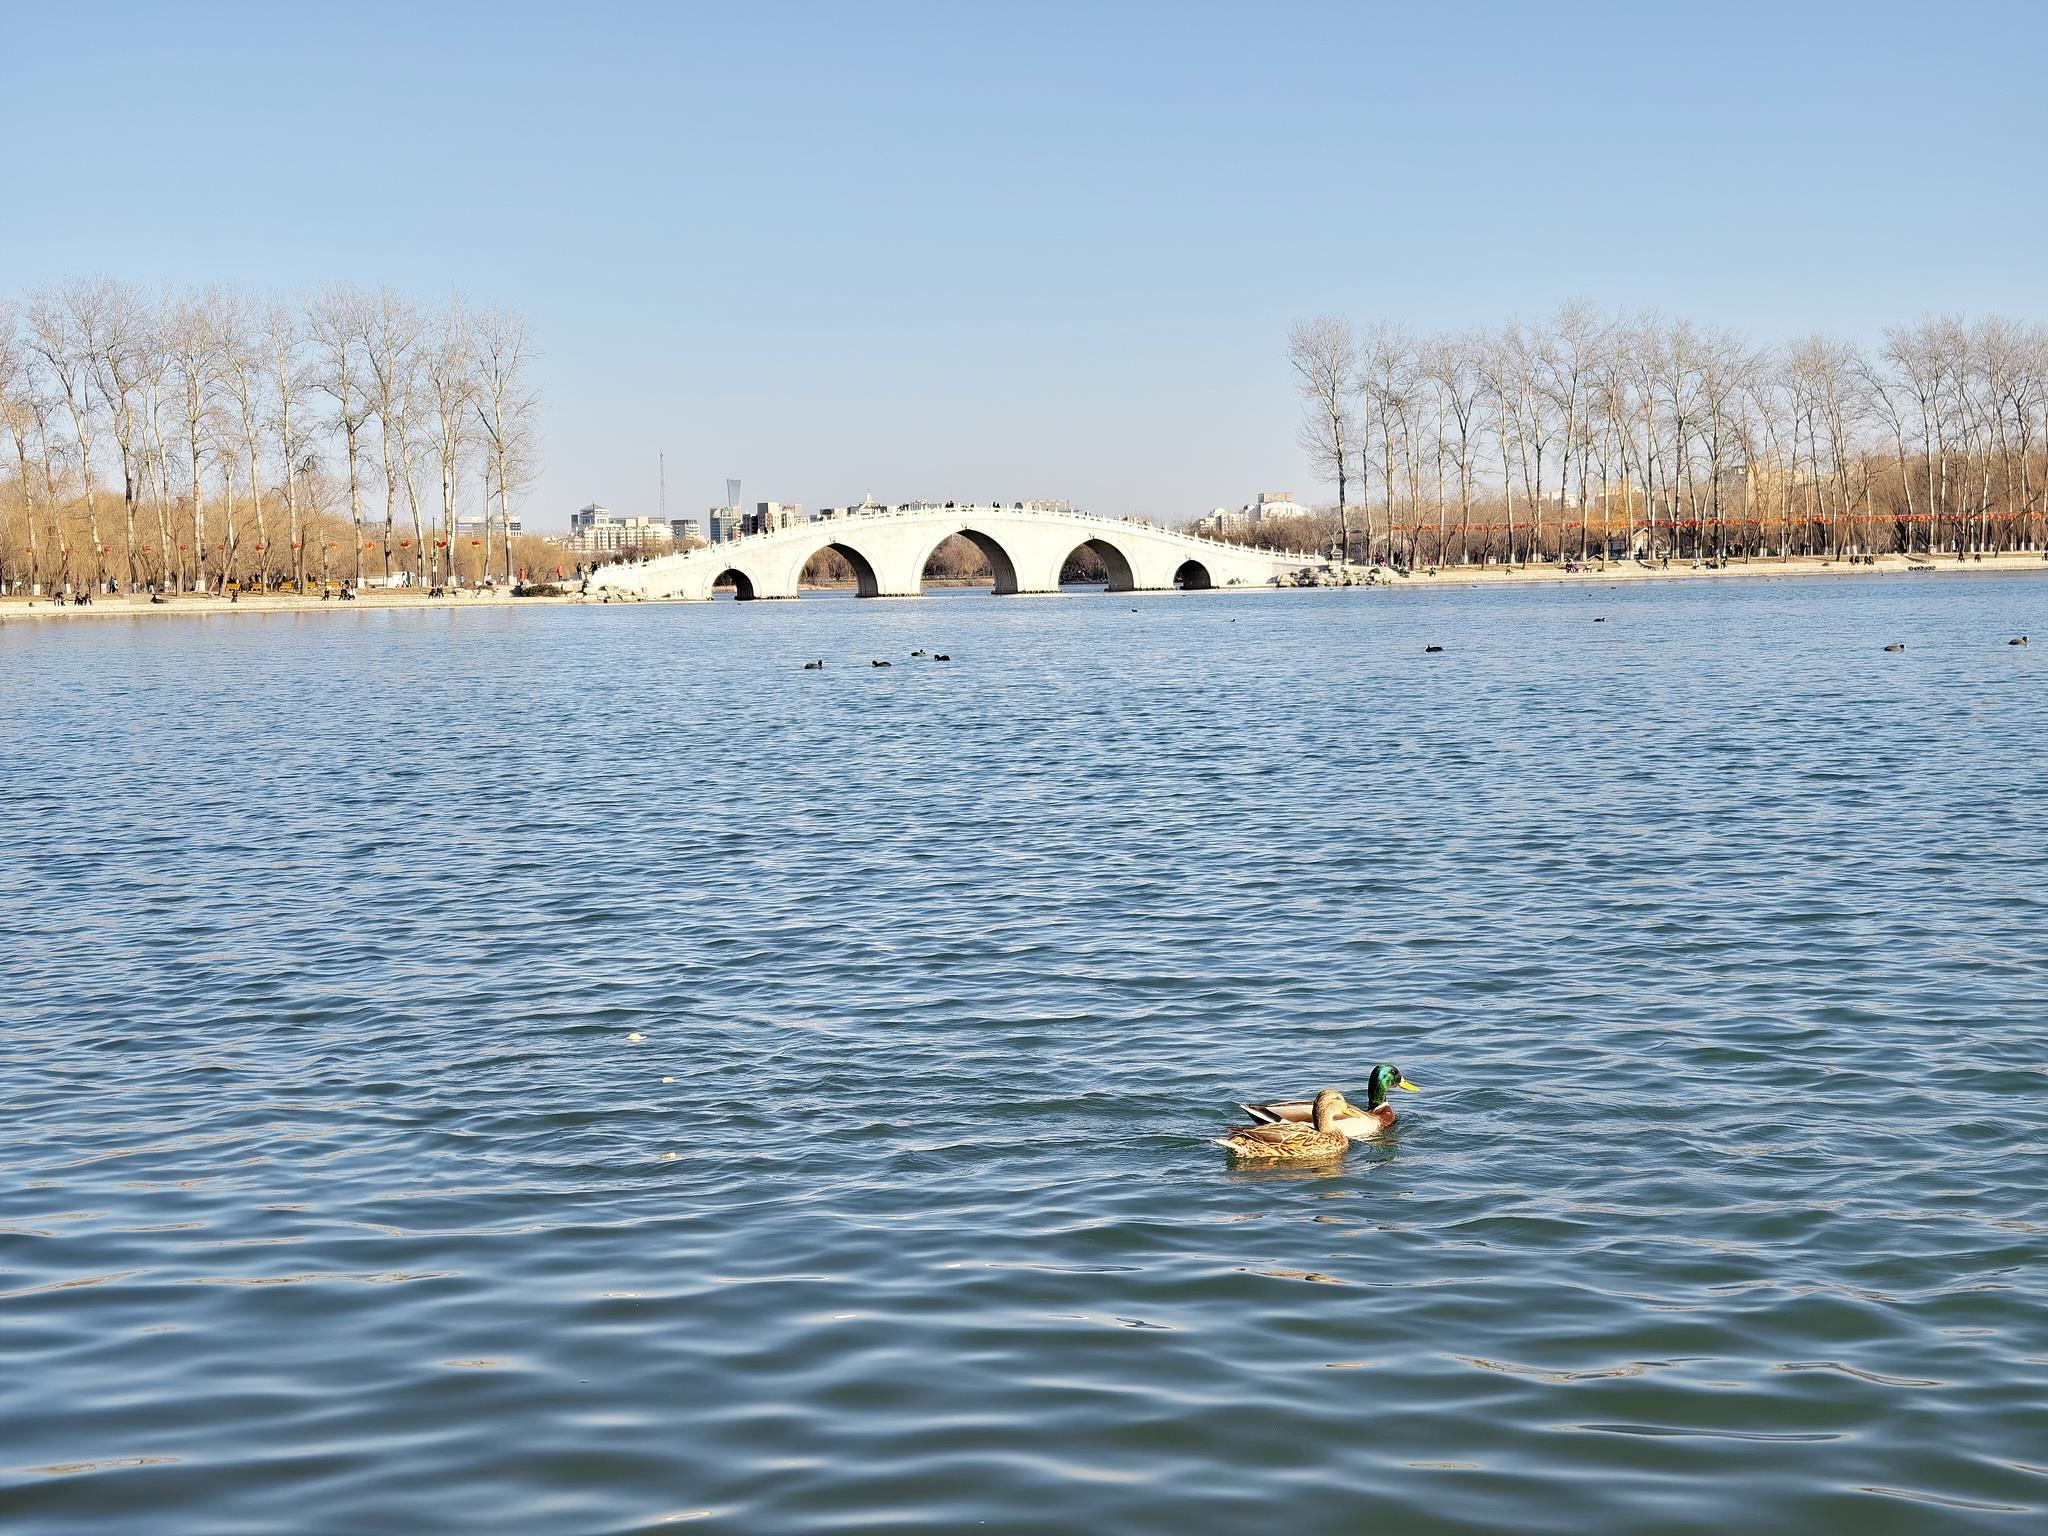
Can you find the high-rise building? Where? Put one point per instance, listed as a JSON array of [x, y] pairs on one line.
[[594, 531], [723, 523], [768, 516]]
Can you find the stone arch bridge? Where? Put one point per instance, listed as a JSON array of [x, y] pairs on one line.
[[1025, 547]]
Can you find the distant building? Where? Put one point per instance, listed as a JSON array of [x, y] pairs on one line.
[[475, 522], [723, 523], [1271, 506], [1274, 504], [768, 516], [685, 529], [593, 530]]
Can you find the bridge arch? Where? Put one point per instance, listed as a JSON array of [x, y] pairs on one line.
[[742, 584], [999, 559], [866, 583], [1192, 576], [1118, 564]]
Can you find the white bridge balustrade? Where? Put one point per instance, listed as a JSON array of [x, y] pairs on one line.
[[1026, 547]]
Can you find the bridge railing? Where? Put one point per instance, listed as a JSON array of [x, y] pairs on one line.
[[1069, 516]]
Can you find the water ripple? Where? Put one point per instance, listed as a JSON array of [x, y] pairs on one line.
[[333, 1183]]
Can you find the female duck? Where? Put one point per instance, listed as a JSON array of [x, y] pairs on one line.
[[1355, 1123], [1291, 1141]]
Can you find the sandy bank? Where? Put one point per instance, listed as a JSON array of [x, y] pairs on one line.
[[1737, 570], [190, 604], [44, 608]]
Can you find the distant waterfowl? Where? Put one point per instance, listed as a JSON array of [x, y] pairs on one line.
[[942, 656], [920, 653], [1290, 1141], [1355, 1123], [1895, 646], [2022, 640], [1600, 621], [814, 666], [1431, 650], [881, 663]]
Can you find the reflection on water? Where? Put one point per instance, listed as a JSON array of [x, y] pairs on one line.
[[333, 1194]]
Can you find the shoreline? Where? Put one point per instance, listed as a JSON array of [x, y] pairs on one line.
[[1803, 566], [190, 605]]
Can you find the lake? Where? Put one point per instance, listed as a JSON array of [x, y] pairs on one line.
[[335, 1195]]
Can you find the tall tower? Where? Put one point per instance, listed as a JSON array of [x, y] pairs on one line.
[[732, 493], [662, 460]]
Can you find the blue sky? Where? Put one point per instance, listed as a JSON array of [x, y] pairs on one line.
[[1024, 250]]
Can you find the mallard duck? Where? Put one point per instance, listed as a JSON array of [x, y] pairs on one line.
[[1289, 1141], [1355, 1123]]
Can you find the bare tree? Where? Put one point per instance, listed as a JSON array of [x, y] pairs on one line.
[[193, 340], [505, 410], [1452, 366], [65, 328], [1324, 358], [339, 321], [154, 387], [119, 364], [1387, 381], [16, 417], [452, 383], [288, 379], [390, 355], [238, 355], [1565, 365]]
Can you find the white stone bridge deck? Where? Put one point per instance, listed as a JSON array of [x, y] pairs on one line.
[[1025, 547]]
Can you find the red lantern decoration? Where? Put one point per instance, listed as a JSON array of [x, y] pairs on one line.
[[367, 544], [296, 544], [405, 543], [440, 543], [474, 542]]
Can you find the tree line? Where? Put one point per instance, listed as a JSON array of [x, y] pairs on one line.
[[197, 438], [1591, 434]]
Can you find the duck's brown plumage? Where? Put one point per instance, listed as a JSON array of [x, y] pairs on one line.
[[1291, 1141], [1355, 1123]]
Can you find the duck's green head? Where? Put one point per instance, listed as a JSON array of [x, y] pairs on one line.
[[1385, 1079]]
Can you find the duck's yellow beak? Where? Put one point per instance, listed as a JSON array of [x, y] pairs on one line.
[[1404, 1083]]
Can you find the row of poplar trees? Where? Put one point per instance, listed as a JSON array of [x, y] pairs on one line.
[[193, 439], [1598, 434]]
